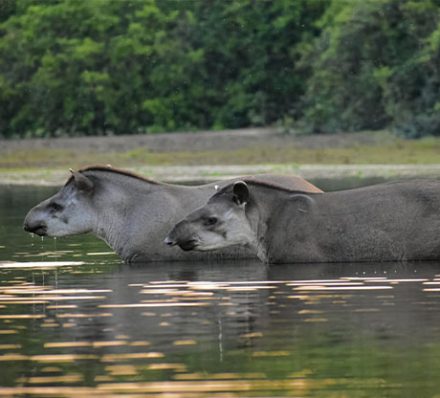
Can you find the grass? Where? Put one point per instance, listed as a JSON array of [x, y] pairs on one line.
[[397, 151], [39, 166]]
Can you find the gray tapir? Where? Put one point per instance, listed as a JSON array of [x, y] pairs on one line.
[[132, 214], [385, 222]]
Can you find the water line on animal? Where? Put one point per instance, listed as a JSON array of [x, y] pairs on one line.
[[220, 338], [57, 255]]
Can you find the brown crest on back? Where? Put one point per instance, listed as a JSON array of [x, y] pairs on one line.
[[250, 180], [110, 169]]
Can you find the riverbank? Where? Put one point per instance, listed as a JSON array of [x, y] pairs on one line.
[[187, 174], [206, 156]]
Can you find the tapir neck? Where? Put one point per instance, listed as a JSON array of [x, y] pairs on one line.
[[110, 226], [259, 216], [106, 231], [119, 215], [135, 224]]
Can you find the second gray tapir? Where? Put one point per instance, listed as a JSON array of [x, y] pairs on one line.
[[385, 222]]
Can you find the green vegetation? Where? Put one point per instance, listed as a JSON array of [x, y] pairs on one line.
[[375, 63], [97, 67], [387, 150]]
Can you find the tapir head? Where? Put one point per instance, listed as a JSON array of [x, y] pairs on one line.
[[68, 212], [222, 222]]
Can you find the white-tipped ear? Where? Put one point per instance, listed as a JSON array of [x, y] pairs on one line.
[[82, 182], [241, 192]]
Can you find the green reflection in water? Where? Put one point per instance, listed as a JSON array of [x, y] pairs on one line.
[[249, 330]]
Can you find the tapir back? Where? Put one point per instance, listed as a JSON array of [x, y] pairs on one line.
[[386, 222]]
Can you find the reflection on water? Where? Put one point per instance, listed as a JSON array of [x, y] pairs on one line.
[[74, 321]]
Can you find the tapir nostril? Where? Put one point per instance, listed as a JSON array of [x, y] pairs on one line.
[[39, 228], [169, 242], [28, 227]]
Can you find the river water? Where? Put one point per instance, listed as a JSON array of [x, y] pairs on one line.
[[75, 321]]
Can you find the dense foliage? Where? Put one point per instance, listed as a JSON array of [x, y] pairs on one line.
[[375, 64], [70, 67]]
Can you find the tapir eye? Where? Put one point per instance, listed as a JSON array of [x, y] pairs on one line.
[[56, 206], [210, 221]]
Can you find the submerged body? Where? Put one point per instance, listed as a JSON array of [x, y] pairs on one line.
[[386, 222], [130, 213]]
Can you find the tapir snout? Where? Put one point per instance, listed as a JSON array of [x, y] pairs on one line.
[[38, 227], [182, 236]]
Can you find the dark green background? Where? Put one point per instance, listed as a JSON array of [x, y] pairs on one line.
[[70, 67]]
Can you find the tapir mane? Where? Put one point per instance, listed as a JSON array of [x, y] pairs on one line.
[[249, 180], [110, 169]]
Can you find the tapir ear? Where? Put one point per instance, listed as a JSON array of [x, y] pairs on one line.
[[304, 202], [82, 182], [241, 192]]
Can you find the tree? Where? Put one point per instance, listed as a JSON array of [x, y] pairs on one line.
[[373, 66], [97, 67]]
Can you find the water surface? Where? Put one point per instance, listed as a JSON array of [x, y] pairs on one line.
[[75, 321]]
